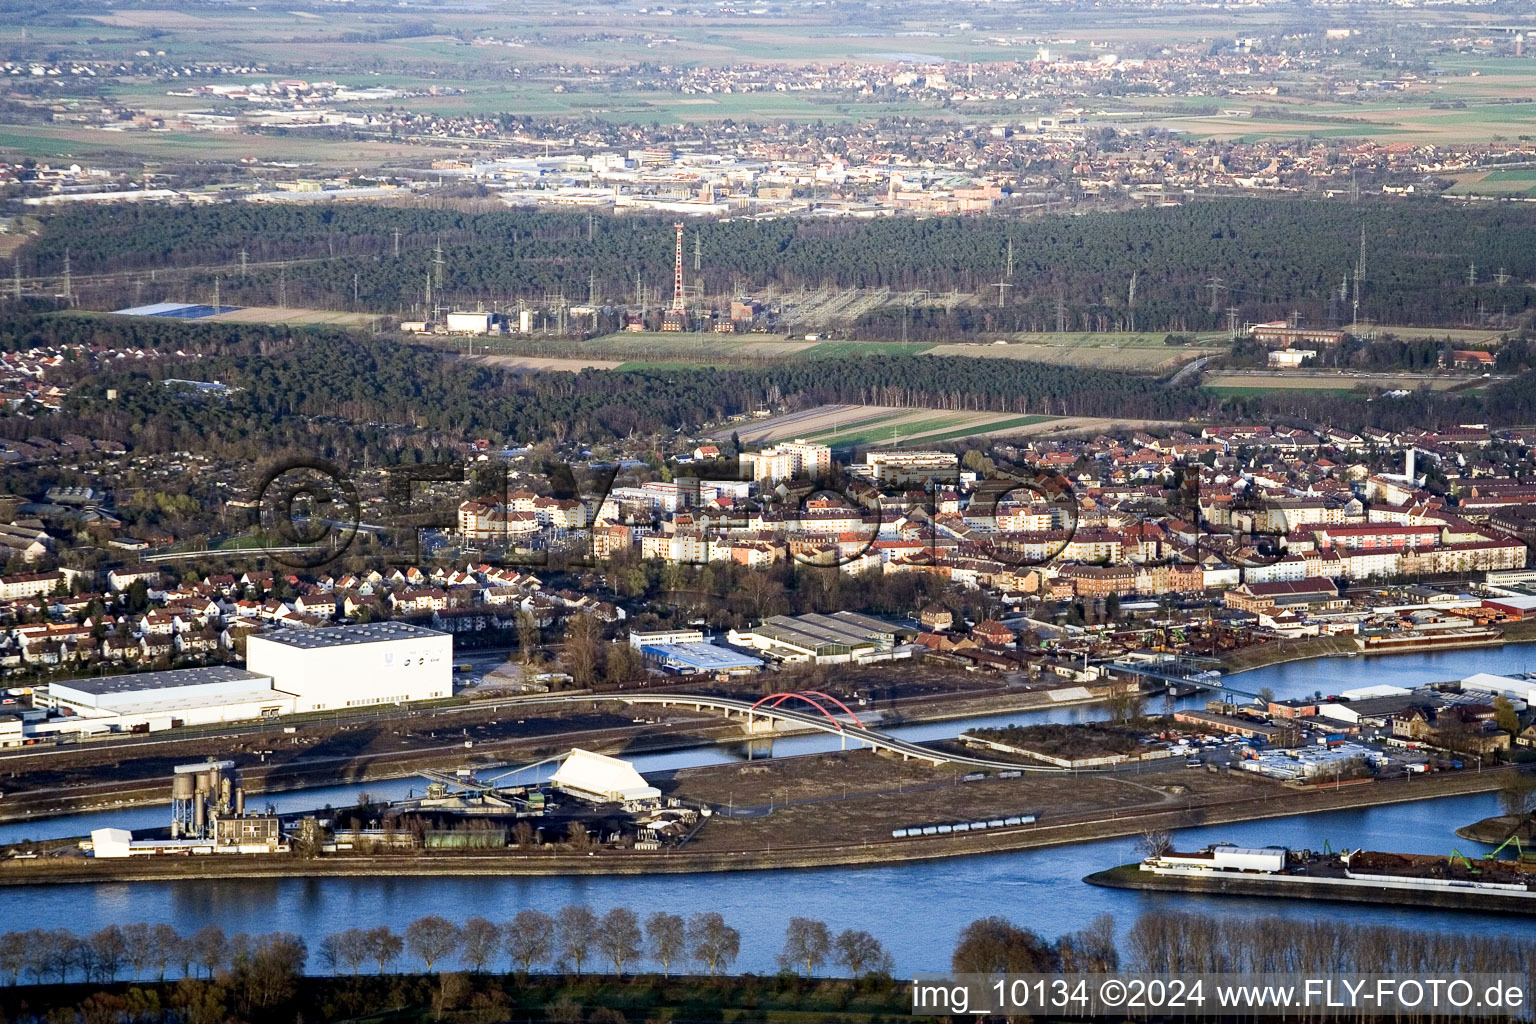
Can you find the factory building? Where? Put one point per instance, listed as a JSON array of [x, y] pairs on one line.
[[150, 701], [207, 816], [355, 666]]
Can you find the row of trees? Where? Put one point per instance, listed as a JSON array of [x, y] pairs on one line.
[[262, 969], [570, 940]]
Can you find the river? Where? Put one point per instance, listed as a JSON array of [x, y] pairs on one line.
[[916, 909]]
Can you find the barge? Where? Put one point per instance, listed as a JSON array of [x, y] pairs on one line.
[[1453, 882]]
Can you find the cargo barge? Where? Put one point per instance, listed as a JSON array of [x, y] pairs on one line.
[[1453, 882]]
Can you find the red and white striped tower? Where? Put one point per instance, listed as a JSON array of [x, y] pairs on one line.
[[678, 305]]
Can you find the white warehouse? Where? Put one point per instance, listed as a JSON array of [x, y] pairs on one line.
[[355, 666], [161, 700]]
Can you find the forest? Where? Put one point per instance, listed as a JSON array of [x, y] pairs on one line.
[[340, 393], [331, 391], [1265, 258]]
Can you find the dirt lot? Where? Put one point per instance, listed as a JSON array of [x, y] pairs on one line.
[[551, 363], [861, 796]]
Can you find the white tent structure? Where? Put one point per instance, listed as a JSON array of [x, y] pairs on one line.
[[603, 779]]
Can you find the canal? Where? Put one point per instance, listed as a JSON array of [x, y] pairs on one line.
[[916, 909]]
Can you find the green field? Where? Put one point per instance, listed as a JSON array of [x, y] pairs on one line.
[[1001, 426], [1256, 391], [840, 349], [879, 432]]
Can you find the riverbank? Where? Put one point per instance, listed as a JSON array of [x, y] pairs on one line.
[[1130, 876], [47, 871], [1281, 652]]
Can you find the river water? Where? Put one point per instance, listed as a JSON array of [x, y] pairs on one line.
[[916, 909]]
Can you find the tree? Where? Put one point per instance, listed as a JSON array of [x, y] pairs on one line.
[[269, 972], [1155, 842], [384, 946], [713, 942], [861, 953], [1091, 949], [529, 937], [13, 955], [139, 946], [432, 938], [1517, 796], [995, 945], [619, 937], [667, 938], [527, 636], [351, 948], [481, 941], [330, 953], [1505, 716], [109, 949], [806, 943], [210, 948], [582, 652], [578, 836], [575, 931]]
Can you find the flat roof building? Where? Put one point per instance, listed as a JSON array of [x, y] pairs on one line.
[[700, 659], [356, 666], [189, 696]]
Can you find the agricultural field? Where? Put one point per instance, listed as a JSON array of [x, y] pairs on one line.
[[1137, 353], [47, 142], [847, 426], [1131, 352], [1335, 381], [1513, 182]]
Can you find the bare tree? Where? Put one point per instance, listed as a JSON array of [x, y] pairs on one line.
[[1155, 842], [168, 948], [582, 654], [578, 836], [139, 946], [108, 949], [432, 938], [13, 955], [667, 937], [861, 953], [575, 931], [713, 942], [384, 946], [353, 948], [481, 941], [1517, 796], [210, 948], [529, 937], [527, 636], [619, 937], [806, 943]]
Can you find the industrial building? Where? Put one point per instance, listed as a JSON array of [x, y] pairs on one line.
[[290, 671], [600, 779], [689, 659], [207, 816], [150, 701], [355, 666], [839, 638]]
